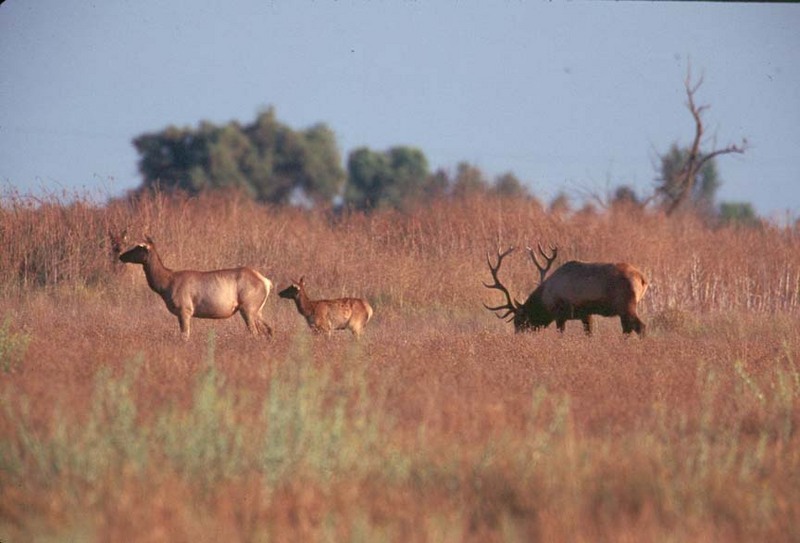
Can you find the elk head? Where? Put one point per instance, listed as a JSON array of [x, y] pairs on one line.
[[140, 252], [293, 290], [529, 315]]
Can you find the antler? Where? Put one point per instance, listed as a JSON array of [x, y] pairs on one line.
[[548, 260], [511, 306]]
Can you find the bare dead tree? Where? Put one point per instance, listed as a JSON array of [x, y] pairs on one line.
[[675, 191]]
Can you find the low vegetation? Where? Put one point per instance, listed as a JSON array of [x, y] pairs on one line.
[[441, 424]]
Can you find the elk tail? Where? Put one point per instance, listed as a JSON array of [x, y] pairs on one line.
[[369, 311], [643, 287], [267, 290]]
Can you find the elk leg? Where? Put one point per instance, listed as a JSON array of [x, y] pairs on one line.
[[355, 328], [264, 328], [562, 313], [637, 325], [248, 321], [185, 320], [256, 325], [631, 323], [587, 324], [323, 325]]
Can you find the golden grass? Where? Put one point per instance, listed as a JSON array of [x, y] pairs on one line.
[[440, 425]]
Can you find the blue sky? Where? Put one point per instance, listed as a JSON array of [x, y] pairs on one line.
[[575, 97]]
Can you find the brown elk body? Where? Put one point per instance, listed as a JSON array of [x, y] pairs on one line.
[[324, 316], [576, 290], [217, 294]]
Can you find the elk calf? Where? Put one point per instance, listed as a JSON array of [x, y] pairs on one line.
[[576, 290], [204, 294], [324, 316]]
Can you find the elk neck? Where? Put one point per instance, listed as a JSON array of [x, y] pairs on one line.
[[159, 277], [304, 304]]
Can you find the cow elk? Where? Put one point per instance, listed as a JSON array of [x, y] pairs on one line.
[[214, 294], [324, 316], [576, 290]]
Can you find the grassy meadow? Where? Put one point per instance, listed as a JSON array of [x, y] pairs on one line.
[[440, 424]]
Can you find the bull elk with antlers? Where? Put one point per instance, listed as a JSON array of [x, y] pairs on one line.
[[214, 294], [576, 290]]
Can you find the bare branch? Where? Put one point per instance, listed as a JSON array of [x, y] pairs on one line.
[[738, 149], [684, 179]]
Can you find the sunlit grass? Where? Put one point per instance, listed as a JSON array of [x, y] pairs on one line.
[[439, 425]]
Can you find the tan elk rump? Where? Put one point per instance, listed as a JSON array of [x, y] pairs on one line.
[[324, 316], [217, 294], [576, 290]]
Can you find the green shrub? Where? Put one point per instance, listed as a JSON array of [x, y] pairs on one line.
[[13, 346]]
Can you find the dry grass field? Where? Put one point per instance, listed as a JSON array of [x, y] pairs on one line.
[[440, 424]]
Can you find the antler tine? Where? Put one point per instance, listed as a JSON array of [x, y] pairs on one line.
[[548, 259], [500, 308], [511, 305], [495, 269], [553, 252], [500, 257]]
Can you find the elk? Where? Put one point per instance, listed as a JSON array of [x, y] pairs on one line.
[[324, 316], [576, 290], [214, 294]]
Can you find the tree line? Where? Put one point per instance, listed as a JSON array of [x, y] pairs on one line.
[[275, 163]]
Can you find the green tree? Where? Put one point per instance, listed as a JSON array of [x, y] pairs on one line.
[[390, 178], [625, 195], [739, 213], [469, 180], [267, 159], [560, 204], [437, 185], [510, 186]]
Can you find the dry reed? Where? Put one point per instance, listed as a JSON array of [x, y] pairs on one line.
[[441, 425]]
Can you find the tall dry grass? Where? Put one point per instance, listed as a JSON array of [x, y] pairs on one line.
[[440, 425]]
